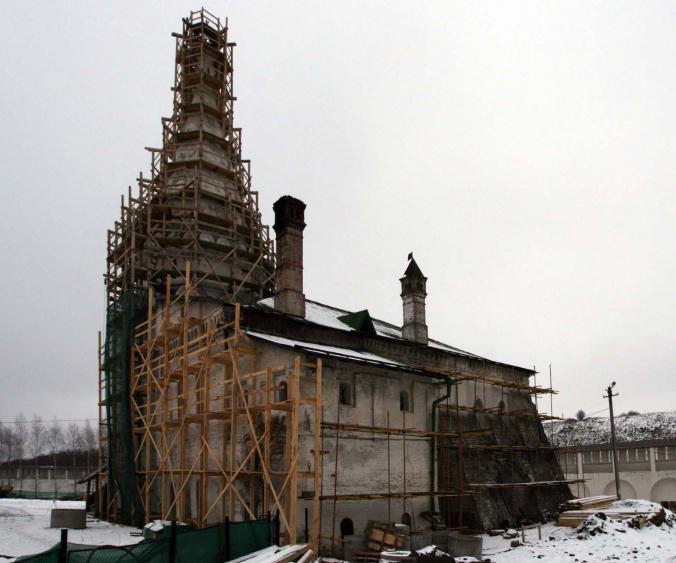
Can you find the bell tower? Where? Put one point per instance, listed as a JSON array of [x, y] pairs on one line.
[[413, 294]]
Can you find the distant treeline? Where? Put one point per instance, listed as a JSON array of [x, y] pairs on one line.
[[36, 443]]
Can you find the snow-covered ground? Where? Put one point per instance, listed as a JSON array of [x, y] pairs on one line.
[[595, 540], [24, 528]]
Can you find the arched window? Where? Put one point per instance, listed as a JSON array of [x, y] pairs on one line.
[[283, 392], [404, 402], [501, 407], [346, 528], [478, 404], [406, 519], [345, 393]]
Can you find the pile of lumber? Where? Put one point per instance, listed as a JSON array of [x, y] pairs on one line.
[[600, 501], [573, 518], [297, 553], [576, 510]]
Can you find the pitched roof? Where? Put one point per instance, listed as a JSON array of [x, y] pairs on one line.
[[333, 351], [325, 315], [361, 321], [412, 270]]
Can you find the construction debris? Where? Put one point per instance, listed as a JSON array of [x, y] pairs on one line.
[[299, 553], [600, 501], [613, 510], [385, 535]]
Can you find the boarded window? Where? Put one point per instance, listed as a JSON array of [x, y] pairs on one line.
[[283, 392], [404, 401], [345, 393]]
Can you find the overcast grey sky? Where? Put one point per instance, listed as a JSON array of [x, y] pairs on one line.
[[523, 150]]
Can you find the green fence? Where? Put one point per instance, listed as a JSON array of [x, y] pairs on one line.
[[49, 556], [215, 544], [246, 537], [44, 495]]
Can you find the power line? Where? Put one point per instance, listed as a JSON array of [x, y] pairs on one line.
[[597, 412], [28, 421]]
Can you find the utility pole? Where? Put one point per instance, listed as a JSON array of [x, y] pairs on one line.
[[609, 396]]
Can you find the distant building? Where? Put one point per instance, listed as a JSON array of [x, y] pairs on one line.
[[646, 452]]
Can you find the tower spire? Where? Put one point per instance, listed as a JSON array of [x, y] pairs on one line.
[[197, 205], [413, 294]]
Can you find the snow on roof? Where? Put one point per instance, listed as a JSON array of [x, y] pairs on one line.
[[347, 353], [628, 428], [325, 315]]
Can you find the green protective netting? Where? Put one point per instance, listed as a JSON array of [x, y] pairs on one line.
[[145, 552], [49, 556], [247, 537], [121, 318], [43, 495], [200, 545], [206, 545]]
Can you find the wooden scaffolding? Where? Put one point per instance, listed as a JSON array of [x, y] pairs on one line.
[[195, 207], [204, 414], [445, 443]]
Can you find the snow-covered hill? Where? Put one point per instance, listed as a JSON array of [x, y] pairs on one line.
[[628, 428]]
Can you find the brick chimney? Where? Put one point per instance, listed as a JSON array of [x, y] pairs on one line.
[[413, 293], [289, 225]]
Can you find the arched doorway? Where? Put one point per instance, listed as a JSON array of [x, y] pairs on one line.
[[626, 488], [664, 492], [346, 527]]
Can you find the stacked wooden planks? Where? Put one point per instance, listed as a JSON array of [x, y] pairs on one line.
[[575, 511], [274, 554], [600, 501]]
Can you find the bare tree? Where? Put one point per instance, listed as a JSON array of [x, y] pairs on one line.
[[9, 440], [89, 441], [3, 442], [73, 440], [54, 439], [38, 436], [21, 435]]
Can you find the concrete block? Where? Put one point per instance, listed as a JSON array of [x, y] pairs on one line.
[[440, 539], [460, 545], [73, 518], [422, 538], [351, 544]]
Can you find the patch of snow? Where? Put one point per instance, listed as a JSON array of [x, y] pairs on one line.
[[310, 346], [595, 540], [270, 556], [325, 315], [628, 428], [24, 528], [159, 525]]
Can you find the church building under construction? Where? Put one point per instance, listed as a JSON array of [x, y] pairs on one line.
[[226, 393]]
